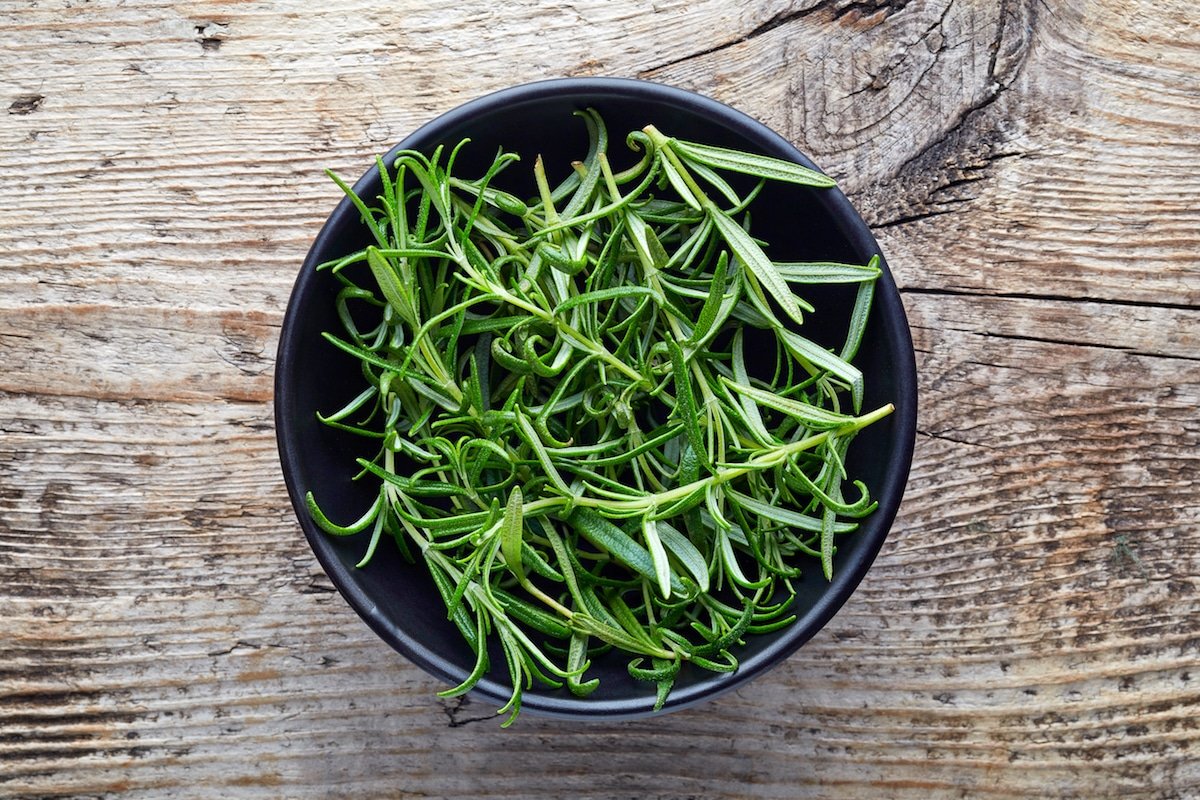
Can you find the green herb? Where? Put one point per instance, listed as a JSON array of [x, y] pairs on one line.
[[572, 436]]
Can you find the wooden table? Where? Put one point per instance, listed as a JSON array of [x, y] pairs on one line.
[[1032, 626]]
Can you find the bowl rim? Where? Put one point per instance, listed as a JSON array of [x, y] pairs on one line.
[[849, 574]]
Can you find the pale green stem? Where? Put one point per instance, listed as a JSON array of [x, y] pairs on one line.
[[765, 460]]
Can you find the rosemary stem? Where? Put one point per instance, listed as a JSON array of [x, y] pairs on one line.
[[558, 607], [763, 461], [578, 340], [664, 145]]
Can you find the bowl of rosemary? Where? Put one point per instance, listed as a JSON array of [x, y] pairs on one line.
[[595, 397]]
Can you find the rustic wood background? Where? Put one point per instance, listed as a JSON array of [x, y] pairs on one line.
[[1030, 630]]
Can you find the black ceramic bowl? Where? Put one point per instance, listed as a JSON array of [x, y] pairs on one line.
[[398, 600]]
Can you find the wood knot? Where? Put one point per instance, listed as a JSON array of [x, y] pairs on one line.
[[210, 35], [26, 104]]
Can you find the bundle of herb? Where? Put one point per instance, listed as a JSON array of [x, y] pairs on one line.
[[570, 436]]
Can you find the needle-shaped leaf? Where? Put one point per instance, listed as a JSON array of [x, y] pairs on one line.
[[603, 296], [716, 181], [678, 184], [811, 353], [512, 529], [729, 559], [437, 192], [685, 401], [502, 200], [661, 669], [597, 144], [755, 260], [709, 317], [481, 661], [364, 212], [368, 356], [731, 635], [445, 587], [750, 164], [332, 528], [588, 625], [646, 243], [822, 272], [389, 283], [530, 435], [828, 518], [577, 660], [608, 537], [376, 534], [415, 488], [527, 613], [749, 408], [809, 415], [354, 405], [785, 516], [687, 553], [662, 568], [859, 315]]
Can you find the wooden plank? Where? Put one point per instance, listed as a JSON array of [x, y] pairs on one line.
[[1019, 148], [1029, 629], [157, 353], [217, 659]]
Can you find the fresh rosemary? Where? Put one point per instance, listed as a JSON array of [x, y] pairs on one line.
[[572, 437]]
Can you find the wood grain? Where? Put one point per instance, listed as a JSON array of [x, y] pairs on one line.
[[1030, 628]]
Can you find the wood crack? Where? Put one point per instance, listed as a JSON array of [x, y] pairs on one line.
[[778, 20], [1059, 298], [1020, 337], [861, 8], [455, 709], [951, 439], [839, 11], [242, 644], [921, 215], [1096, 345]]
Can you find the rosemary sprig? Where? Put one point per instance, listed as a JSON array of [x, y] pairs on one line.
[[572, 437]]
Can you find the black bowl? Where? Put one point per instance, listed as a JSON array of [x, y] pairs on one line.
[[397, 599]]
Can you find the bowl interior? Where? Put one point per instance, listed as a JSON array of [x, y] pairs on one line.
[[397, 599]]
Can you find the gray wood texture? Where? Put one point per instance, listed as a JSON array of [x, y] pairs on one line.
[[1032, 626]]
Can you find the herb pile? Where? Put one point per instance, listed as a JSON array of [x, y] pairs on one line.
[[572, 436]]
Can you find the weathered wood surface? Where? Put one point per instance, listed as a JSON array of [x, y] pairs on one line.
[[1030, 630]]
